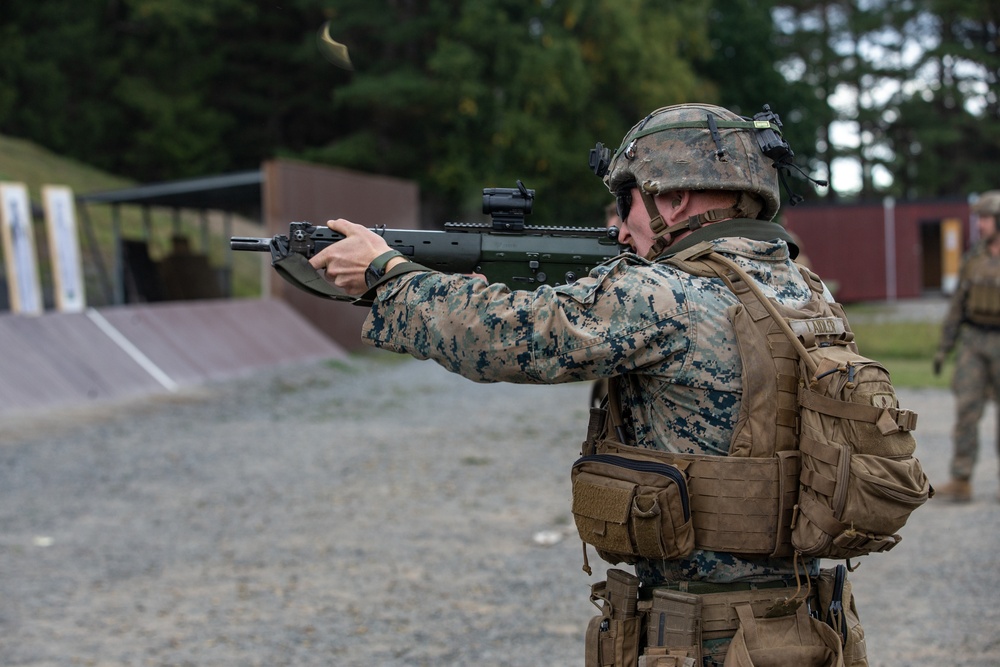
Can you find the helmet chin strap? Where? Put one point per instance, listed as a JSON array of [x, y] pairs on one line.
[[663, 236]]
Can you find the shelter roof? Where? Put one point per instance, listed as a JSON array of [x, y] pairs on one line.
[[239, 192]]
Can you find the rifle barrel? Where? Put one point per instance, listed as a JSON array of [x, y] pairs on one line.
[[251, 243]]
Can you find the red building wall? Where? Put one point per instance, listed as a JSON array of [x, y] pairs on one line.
[[871, 252]]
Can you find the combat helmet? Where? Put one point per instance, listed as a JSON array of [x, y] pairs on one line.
[[987, 204], [698, 147]]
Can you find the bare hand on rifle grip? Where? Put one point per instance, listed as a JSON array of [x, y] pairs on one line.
[[344, 263]]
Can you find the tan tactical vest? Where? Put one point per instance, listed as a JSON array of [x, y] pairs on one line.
[[749, 501], [744, 502], [982, 304]]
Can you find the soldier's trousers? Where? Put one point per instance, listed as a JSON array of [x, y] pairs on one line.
[[976, 380]]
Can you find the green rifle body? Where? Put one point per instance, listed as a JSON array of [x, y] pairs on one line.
[[520, 256]]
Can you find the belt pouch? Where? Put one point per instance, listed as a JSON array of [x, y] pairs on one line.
[[719, 620], [795, 640], [836, 607]]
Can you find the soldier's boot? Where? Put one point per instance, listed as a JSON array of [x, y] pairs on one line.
[[956, 491]]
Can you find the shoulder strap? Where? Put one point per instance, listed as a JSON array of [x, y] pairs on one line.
[[811, 278], [703, 258]]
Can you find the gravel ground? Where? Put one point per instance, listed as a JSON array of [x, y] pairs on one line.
[[380, 511]]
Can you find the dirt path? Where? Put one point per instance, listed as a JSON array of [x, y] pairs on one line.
[[379, 512]]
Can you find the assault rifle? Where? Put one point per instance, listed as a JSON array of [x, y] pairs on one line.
[[504, 250]]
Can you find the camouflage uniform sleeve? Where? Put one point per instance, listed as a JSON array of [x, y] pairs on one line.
[[616, 320]]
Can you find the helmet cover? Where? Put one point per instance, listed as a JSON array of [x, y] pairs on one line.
[[695, 147], [987, 204]]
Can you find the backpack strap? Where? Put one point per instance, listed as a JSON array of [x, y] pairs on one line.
[[812, 279], [888, 420], [702, 259]]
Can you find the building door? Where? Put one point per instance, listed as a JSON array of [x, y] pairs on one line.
[[930, 256]]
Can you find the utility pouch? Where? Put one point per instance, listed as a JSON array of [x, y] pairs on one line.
[[835, 606], [613, 637], [631, 508], [796, 640]]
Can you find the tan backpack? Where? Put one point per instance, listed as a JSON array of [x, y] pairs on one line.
[[858, 480]]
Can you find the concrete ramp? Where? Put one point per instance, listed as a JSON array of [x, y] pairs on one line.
[[73, 359], [59, 360]]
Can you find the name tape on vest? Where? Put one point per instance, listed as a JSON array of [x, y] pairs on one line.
[[819, 326]]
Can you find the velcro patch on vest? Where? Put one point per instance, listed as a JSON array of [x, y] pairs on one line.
[[818, 326]]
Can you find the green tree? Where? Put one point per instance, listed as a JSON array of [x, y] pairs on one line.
[[744, 33], [463, 95], [457, 95], [946, 139], [843, 50], [120, 85], [912, 84]]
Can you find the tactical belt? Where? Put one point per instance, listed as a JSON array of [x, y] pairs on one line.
[[703, 587], [708, 612]]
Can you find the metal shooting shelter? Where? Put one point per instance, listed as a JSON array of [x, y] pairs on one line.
[[281, 191], [236, 193]]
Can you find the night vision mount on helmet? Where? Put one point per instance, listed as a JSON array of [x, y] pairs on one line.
[[700, 147]]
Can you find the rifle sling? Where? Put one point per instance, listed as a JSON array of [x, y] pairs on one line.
[[297, 271]]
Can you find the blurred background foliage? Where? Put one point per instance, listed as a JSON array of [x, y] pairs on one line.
[[460, 95]]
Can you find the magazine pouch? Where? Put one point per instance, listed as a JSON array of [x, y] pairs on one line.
[[614, 637]]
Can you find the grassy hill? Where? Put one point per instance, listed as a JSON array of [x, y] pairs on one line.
[[24, 162]]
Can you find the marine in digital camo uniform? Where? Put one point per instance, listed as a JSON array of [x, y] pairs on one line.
[[973, 326], [665, 331]]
